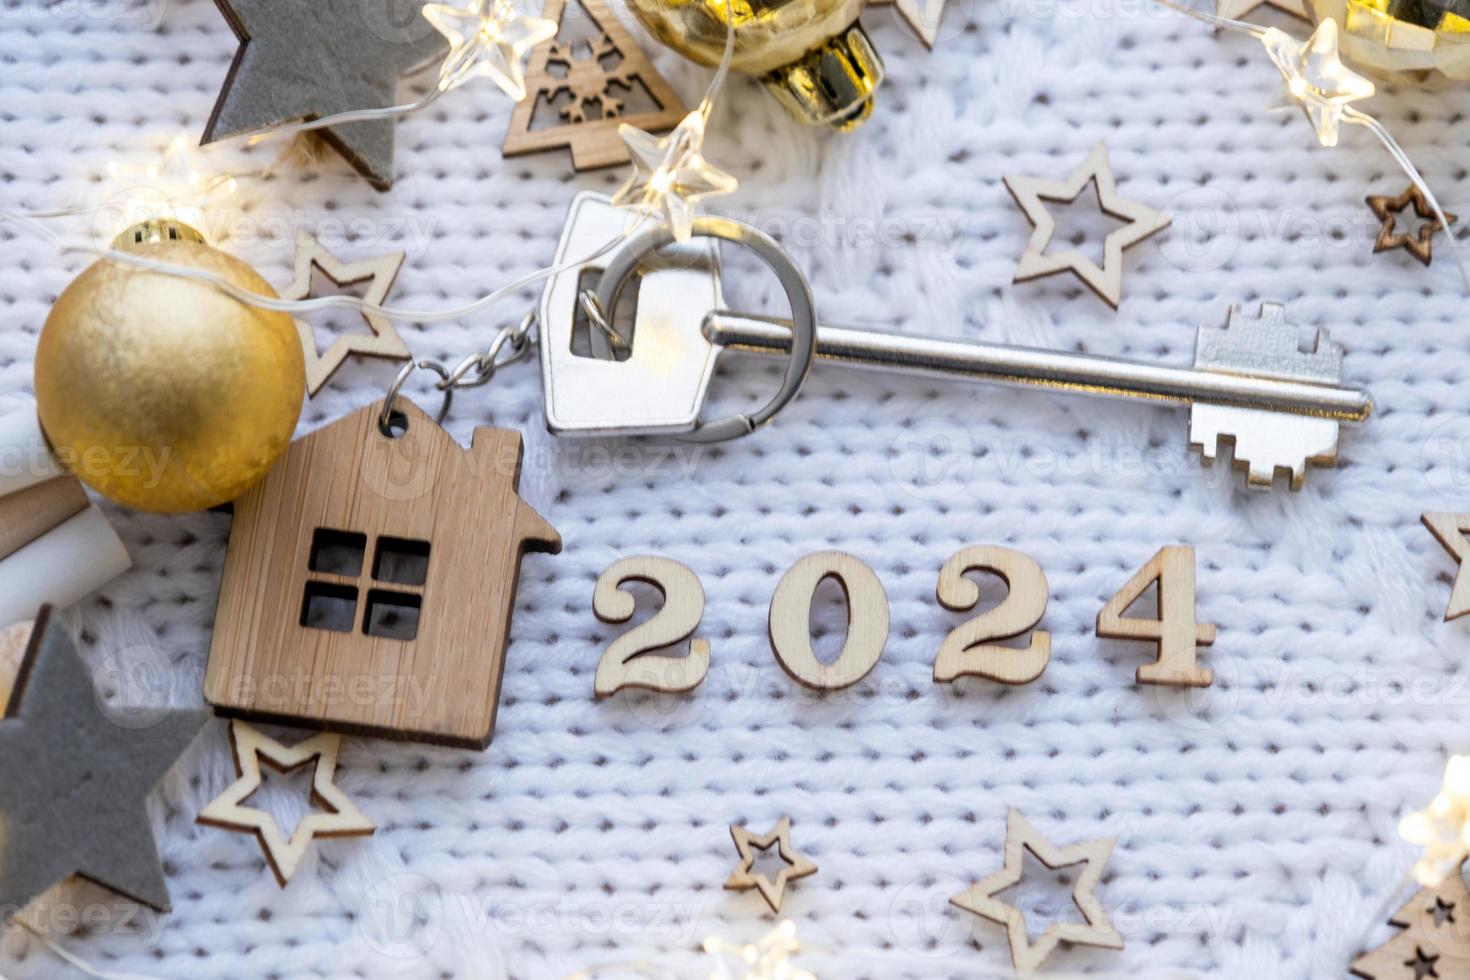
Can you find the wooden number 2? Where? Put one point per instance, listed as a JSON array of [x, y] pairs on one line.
[[1175, 631], [867, 620], [967, 649], [627, 662]]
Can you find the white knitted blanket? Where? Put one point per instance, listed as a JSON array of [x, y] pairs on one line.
[[1255, 821]]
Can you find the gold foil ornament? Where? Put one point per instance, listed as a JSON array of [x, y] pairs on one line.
[[812, 55], [1424, 37], [160, 392]]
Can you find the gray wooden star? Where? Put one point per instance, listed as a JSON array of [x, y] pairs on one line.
[[73, 782], [306, 59]]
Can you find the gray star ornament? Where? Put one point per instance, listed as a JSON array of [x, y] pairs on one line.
[[74, 782], [307, 59]]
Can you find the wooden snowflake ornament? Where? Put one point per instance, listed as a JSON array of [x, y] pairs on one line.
[[584, 87]]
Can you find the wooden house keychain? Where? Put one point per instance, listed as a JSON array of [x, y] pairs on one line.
[[370, 578]]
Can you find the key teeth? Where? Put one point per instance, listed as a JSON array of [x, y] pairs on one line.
[[1215, 428], [1269, 345]]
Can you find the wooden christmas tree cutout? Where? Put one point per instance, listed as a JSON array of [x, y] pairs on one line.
[[1450, 530], [598, 77], [1435, 941], [340, 817]]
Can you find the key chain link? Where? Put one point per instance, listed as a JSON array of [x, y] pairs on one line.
[[473, 371]]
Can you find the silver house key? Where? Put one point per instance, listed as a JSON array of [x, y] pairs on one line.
[[1252, 386]]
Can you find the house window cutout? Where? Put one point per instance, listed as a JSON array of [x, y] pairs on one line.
[[329, 606], [401, 561], [392, 615], [337, 552]]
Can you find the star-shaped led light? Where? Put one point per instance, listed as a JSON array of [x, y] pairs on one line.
[[767, 959], [670, 174], [176, 187], [1317, 78], [1443, 827], [490, 38]]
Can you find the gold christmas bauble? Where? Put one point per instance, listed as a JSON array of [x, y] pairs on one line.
[[163, 393], [811, 54]]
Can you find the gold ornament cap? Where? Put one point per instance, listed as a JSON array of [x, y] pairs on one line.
[[155, 230], [832, 84]]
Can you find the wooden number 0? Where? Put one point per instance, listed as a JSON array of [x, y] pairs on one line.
[[967, 650], [867, 620], [1175, 631], [627, 662]]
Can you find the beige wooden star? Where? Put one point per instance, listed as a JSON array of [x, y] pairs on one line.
[[340, 816], [797, 865], [1027, 956], [922, 15], [1240, 9], [1450, 530], [1142, 221], [379, 273]]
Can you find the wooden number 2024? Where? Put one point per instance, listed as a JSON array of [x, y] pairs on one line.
[[968, 650]]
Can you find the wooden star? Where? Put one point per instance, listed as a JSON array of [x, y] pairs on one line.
[[341, 818], [302, 61], [1420, 243], [922, 15], [1027, 956], [74, 781], [797, 865], [1240, 9], [1142, 221], [1450, 530], [379, 272]]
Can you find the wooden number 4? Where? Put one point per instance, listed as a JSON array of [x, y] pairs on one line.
[[628, 661], [1175, 630]]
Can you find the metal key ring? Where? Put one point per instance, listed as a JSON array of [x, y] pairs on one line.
[[798, 293], [385, 417]]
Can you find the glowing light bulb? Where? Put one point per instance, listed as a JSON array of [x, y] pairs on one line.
[[1443, 827], [1316, 77], [767, 959], [488, 39], [670, 174], [175, 188]]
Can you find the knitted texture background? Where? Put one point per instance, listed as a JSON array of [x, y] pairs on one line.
[[1255, 820]]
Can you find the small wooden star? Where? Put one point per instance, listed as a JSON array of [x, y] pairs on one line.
[[797, 865], [1020, 837], [74, 780], [923, 16], [1240, 9], [1142, 221], [1450, 530], [379, 272], [1420, 243], [341, 818]]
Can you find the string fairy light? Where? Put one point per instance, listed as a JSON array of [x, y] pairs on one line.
[[1325, 88], [491, 38], [670, 174], [1442, 828]]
